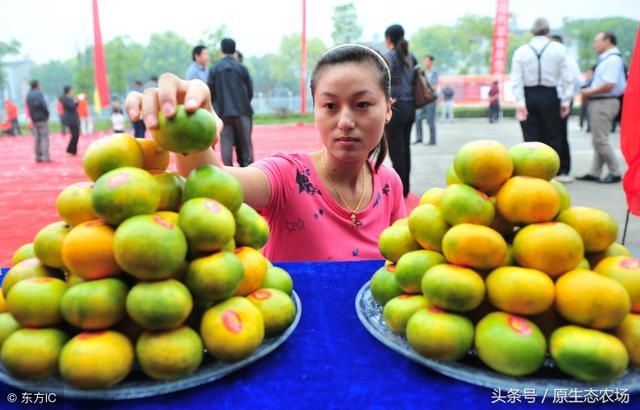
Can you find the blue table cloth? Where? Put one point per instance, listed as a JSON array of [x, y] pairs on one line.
[[330, 362]]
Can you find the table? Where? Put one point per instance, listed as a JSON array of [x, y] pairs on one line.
[[330, 362]]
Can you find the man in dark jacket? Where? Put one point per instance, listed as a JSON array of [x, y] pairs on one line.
[[232, 91], [71, 119], [39, 116]]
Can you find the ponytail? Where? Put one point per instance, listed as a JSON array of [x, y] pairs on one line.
[[402, 49]]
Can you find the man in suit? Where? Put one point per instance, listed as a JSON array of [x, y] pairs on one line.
[[231, 92]]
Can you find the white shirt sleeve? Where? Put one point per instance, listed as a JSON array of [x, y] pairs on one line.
[[566, 80], [517, 78]]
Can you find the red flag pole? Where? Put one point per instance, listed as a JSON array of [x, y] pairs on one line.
[[303, 61], [100, 70]]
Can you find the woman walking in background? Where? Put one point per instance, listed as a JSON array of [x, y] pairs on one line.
[[398, 130], [70, 119]]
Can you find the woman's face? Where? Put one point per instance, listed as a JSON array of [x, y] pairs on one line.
[[350, 110]]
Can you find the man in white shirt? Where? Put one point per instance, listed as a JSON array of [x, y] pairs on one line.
[[609, 83], [537, 69], [198, 68]]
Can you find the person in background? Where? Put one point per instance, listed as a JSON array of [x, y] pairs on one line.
[[428, 112], [11, 110], [232, 90], [117, 121], [447, 109], [40, 117], [494, 102], [538, 70], [398, 130], [198, 67], [564, 173], [609, 83], [86, 124], [152, 83], [138, 126], [71, 119]]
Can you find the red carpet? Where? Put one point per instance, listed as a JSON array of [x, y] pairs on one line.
[[29, 190]]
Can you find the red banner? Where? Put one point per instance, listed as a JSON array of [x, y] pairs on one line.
[[500, 44], [630, 131], [100, 69]]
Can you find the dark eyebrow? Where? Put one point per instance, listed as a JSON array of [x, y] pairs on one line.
[[356, 94]]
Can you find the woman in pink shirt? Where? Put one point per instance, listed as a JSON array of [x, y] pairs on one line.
[[326, 205]]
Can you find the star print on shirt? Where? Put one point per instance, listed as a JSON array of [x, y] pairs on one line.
[[355, 252], [386, 189], [294, 226], [377, 201], [319, 214], [302, 179]]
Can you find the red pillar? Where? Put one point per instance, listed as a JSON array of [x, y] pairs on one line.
[[303, 62]]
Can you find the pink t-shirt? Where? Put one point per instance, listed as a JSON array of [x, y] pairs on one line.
[[307, 224]]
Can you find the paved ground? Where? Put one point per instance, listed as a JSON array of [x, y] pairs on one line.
[[28, 190], [430, 164]]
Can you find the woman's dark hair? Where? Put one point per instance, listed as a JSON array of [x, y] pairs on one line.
[[355, 53], [66, 89], [395, 34]]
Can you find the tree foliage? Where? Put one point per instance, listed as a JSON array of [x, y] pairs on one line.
[[7, 48], [583, 31], [52, 76], [284, 68], [345, 24]]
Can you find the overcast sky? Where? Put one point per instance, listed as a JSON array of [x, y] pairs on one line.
[[256, 25]]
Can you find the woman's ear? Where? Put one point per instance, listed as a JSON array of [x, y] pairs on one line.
[[388, 113]]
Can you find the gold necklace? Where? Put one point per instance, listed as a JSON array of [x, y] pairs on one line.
[[353, 211]]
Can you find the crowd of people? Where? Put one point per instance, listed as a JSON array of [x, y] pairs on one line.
[[546, 79]]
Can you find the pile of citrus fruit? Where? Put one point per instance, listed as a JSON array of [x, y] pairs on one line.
[[500, 262], [144, 266]]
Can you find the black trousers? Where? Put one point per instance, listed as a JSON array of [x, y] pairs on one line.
[[72, 148], [494, 112], [565, 152], [237, 132], [398, 132], [139, 128], [544, 123]]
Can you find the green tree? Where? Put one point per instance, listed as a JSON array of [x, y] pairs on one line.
[[258, 68], [345, 24], [476, 51], [83, 72], [124, 59], [444, 43], [583, 31], [284, 68], [52, 76], [8, 48], [167, 52]]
